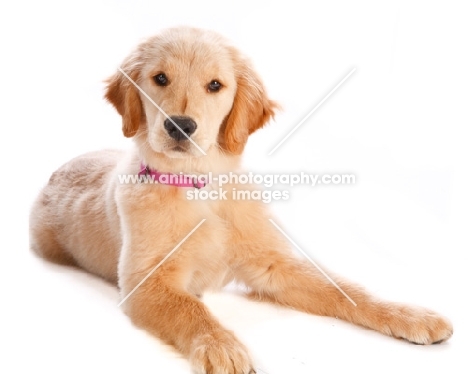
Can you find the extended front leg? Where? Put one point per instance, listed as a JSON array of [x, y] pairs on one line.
[[263, 262], [291, 282], [182, 320], [165, 304]]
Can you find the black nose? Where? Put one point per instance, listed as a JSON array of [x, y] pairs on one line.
[[186, 124]]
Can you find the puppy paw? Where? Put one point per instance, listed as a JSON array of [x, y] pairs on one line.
[[419, 325], [220, 353]]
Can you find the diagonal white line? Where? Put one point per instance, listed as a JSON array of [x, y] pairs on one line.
[[313, 262], [161, 110], [162, 261], [312, 111]]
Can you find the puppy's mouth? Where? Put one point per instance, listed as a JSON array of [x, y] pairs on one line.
[[183, 149], [178, 148], [179, 151]]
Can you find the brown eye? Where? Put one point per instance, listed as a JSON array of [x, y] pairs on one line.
[[161, 79], [214, 86]]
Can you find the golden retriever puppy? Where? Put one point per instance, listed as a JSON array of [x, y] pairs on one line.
[[209, 100]]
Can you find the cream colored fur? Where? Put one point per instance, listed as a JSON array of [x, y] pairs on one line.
[[85, 217]]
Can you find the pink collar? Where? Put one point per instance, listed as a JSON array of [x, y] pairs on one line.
[[178, 180]]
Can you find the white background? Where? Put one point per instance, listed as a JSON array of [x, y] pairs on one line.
[[399, 123]]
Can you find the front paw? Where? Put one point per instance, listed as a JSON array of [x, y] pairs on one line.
[[419, 325], [220, 353]]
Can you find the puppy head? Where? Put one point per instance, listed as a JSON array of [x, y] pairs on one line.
[[193, 85]]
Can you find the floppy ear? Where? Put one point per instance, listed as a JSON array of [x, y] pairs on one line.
[[125, 97], [250, 111]]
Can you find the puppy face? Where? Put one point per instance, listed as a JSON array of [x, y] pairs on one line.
[[195, 86], [191, 78]]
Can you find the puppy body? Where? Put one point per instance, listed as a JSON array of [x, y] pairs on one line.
[[86, 217]]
